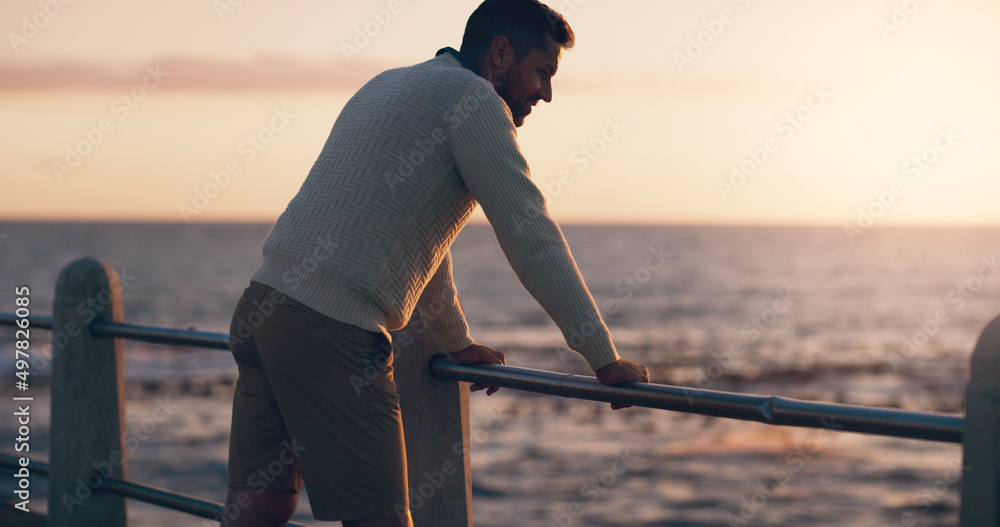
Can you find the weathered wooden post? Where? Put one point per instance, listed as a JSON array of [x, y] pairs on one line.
[[981, 463], [88, 399], [436, 426]]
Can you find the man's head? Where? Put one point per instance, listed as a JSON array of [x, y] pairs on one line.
[[517, 45]]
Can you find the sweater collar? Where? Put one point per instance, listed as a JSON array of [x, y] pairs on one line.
[[464, 60]]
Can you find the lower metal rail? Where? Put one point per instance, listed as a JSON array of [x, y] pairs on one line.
[[137, 491]]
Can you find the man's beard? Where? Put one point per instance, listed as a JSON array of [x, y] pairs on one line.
[[508, 86]]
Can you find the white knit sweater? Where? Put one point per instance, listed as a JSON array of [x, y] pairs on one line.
[[367, 238]]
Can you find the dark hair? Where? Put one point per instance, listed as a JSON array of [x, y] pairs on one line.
[[525, 23]]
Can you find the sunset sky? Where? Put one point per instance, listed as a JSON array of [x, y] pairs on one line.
[[723, 111]]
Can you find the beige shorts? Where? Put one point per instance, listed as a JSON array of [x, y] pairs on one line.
[[308, 408]]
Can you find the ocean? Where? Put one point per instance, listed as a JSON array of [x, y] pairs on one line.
[[888, 317]]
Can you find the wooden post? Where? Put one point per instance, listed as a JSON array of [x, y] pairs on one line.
[[88, 399], [981, 463], [436, 426]]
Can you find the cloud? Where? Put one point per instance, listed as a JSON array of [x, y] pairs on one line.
[[266, 72]]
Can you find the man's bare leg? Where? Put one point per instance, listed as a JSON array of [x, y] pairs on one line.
[[270, 508]]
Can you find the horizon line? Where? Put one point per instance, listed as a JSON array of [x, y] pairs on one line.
[[561, 223]]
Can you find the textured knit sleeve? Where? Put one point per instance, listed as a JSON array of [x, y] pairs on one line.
[[441, 309], [483, 140]]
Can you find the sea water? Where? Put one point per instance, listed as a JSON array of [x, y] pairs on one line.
[[886, 318]]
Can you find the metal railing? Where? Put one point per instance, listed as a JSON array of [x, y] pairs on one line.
[[765, 409], [760, 408], [137, 491], [103, 328], [747, 407]]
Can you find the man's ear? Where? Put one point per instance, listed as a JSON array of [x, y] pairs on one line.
[[501, 54]]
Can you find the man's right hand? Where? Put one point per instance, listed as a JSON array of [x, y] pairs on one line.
[[622, 370], [479, 354]]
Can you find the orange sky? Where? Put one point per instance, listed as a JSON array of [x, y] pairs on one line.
[[852, 112]]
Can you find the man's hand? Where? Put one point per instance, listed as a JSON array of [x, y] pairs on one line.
[[478, 354], [622, 370]]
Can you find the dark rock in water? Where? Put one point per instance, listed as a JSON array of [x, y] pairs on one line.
[[217, 387], [482, 492]]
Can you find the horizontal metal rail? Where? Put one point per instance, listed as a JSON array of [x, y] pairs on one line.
[[128, 489], [765, 409], [200, 339], [10, 319], [103, 328], [771, 410]]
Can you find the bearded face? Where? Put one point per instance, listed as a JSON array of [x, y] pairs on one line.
[[512, 89]]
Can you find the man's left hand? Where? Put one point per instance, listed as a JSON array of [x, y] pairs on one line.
[[479, 354]]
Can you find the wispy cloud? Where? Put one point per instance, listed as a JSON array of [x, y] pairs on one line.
[[266, 72]]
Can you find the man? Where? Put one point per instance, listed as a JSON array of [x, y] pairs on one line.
[[366, 241]]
